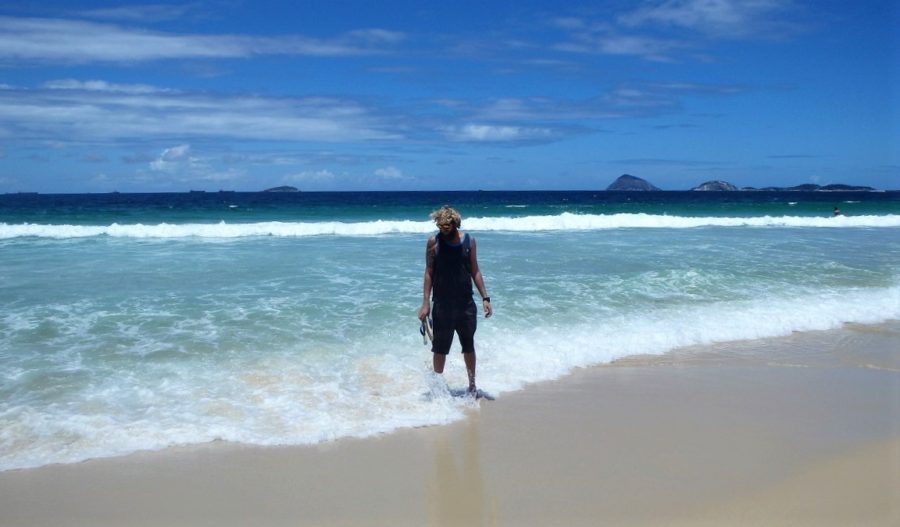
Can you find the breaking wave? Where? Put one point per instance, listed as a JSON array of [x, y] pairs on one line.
[[562, 222]]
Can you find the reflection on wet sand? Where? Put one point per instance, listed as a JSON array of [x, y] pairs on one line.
[[456, 491]]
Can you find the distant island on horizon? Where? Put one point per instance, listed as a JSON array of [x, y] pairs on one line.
[[624, 183], [629, 183]]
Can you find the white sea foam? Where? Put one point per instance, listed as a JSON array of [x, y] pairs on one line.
[[280, 399], [538, 353], [282, 341], [562, 222]]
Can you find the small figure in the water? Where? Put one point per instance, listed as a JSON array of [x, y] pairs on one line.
[[837, 212]]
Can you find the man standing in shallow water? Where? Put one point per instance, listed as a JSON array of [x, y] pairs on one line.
[[451, 265]]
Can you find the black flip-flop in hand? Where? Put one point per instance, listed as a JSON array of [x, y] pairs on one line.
[[427, 330]]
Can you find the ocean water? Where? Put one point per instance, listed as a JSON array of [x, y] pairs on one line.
[[141, 321]]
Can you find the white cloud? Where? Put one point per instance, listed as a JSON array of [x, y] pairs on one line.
[[75, 41], [221, 175], [101, 86], [180, 163], [173, 158], [660, 30], [392, 173], [312, 176], [720, 18], [647, 47], [99, 111], [495, 133], [141, 13]]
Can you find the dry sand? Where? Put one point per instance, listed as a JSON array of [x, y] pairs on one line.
[[701, 437]]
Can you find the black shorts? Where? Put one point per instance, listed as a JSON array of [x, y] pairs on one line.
[[448, 318]]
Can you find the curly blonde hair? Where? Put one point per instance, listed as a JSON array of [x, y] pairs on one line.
[[447, 214]]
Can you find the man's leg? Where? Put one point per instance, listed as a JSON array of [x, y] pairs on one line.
[[442, 326], [466, 331], [438, 360], [470, 369]]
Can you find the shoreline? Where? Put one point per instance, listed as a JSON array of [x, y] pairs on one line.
[[769, 432]]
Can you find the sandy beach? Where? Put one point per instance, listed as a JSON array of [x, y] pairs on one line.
[[782, 431]]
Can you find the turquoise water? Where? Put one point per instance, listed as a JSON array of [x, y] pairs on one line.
[[141, 322]]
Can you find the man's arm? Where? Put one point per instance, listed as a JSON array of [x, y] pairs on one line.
[[427, 279], [478, 279]]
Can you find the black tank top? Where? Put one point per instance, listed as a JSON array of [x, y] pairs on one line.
[[452, 274]]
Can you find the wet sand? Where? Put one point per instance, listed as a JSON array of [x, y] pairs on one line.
[[803, 430]]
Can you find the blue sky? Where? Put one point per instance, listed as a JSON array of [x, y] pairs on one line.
[[420, 95]]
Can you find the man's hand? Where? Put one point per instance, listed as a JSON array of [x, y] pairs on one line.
[[424, 311]]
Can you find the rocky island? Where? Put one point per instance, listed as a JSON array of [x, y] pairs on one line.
[[810, 187], [627, 182], [282, 189], [715, 186]]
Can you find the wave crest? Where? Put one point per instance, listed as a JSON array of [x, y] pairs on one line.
[[562, 222]]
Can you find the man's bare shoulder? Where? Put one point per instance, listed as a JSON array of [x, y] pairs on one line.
[[464, 235]]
